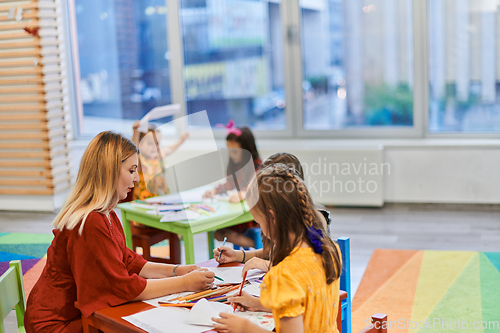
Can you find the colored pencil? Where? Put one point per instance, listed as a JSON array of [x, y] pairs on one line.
[[241, 288], [182, 305], [195, 295], [219, 292]]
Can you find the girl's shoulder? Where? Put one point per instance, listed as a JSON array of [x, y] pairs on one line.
[[299, 260]]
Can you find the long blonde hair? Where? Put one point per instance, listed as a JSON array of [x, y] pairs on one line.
[[95, 186]]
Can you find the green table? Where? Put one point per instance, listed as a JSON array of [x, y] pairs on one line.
[[226, 215]]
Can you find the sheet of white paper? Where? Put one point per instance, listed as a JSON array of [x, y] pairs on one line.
[[158, 113], [262, 319], [183, 215], [139, 205], [164, 320], [203, 311], [253, 288], [160, 207], [171, 207], [233, 274], [179, 198], [224, 197]]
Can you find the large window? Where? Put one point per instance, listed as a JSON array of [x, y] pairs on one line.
[[357, 63], [233, 65], [464, 68], [124, 61], [353, 68]]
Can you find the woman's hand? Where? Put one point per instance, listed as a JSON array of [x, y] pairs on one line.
[[228, 255], [209, 194], [247, 302], [230, 323], [200, 279], [183, 270], [255, 263]]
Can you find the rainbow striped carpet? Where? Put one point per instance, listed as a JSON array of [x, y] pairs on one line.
[[430, 291], [31, 249]]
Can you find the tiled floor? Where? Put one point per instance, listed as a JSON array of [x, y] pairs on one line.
[[396, 226]]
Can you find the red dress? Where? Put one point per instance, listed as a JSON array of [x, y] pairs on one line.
[[95, 269]]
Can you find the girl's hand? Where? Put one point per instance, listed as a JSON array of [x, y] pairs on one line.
[[184, 136], [209, 194], [183, 270], [200, 279], [228, 255], [247, 302], [255, 263], [229, 323], [136, 125]]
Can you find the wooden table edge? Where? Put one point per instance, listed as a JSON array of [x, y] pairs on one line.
[[110, 319]]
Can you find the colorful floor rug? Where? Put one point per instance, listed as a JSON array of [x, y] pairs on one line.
[[430, 291], [31, 249]]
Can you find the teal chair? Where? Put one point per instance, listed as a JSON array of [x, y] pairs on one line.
[[12, 295], [253, 233]]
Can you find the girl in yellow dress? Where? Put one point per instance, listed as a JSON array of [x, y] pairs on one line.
[[302, 287]]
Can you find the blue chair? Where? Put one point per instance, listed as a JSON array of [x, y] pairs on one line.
[[253, 233], [345, 284], [12, 295]]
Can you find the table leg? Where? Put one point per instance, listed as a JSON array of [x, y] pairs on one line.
[[126, 230], [188, 247], [211, 244]]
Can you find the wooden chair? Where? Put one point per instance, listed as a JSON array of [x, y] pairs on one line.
[[147, 237], [12, 295]]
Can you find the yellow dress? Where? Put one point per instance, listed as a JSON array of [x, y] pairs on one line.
[[151, 181], [297, 286]]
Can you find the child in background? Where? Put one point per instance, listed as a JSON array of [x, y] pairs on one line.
[[151, 163], [237, 140], [259, 259], [302, 287]]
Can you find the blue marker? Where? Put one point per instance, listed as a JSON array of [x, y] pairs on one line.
[[224, 243]]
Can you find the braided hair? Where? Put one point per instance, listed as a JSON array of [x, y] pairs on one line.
[[280, 190]]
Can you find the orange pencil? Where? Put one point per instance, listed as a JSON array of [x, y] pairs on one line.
[[241, 288], [181, 305]]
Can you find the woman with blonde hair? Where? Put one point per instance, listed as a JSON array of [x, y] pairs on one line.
[[88, 264]]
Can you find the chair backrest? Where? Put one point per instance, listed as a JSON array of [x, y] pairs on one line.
[[345, 278], [12, 294], [345, 283]]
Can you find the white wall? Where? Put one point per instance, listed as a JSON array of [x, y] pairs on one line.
[[443, 174], [421, 170]]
